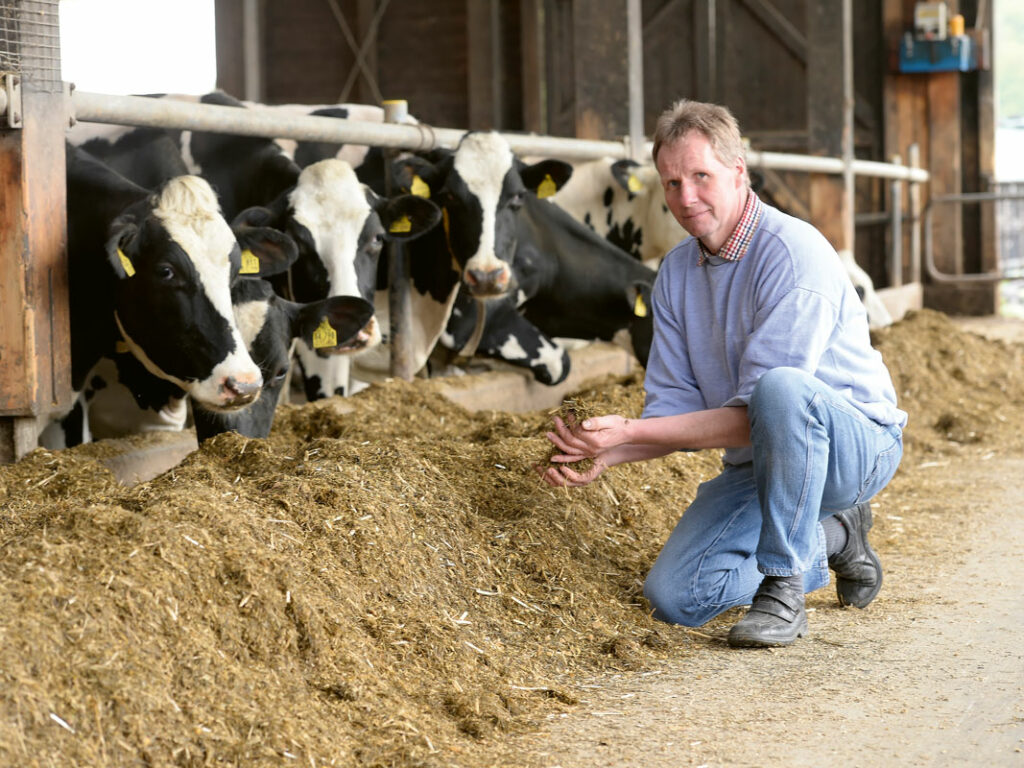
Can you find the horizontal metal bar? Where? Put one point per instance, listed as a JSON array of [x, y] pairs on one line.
[[929, 256], [169, 113]]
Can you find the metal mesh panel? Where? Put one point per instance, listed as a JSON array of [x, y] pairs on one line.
[[30, 42]]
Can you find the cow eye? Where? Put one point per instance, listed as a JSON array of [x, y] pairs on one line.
[[280, 374], [165, 273]]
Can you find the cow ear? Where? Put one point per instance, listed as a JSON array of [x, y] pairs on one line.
[[120, 250], [331, 323], [546, 177], [418, 176], [406, 217], [265, 251], [638, 294], [624, 172]]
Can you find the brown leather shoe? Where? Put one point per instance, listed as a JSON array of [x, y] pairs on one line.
[[857, 567], [776, 616]]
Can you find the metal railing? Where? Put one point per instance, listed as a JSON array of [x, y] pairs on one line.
[[969, 197]]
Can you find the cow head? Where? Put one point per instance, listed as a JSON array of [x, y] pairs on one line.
[[175, 258], [340, 227], [268, 324], [480, 188]]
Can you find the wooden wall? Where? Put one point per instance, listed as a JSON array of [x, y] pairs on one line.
[[559, 67]]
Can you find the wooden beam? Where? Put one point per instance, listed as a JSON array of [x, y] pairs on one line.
[[705, 49], [601, 68], [945, 166], [35, 356], [534, 68], [484, 63], [830, 116], [366, 10]]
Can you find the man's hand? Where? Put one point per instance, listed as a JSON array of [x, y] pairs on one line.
[[564, 476]]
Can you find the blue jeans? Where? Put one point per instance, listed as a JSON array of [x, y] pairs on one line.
[[814, 454]]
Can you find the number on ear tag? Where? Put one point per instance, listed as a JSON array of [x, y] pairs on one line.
[[401, 225], [126, 263], [547, 187], [639, 308], [420, 188], [325, 335], [250, 263]]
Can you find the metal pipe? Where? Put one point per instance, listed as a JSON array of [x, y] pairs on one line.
[[399, 275], [167, 113], [967, 197], [251, 47], [914, 161], [634, 23], [896, 232]]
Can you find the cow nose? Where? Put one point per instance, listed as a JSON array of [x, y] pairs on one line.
[[487, 282], [238, 393]]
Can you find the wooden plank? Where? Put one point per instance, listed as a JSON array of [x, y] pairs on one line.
[[600, 46], [484, 62], [229, 41], [35, 351], [365, 13], [533, 69], [829, 131], [945, 165]]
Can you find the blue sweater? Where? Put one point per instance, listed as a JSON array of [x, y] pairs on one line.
[[787, 302]]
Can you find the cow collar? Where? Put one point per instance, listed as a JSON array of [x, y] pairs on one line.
[[469, 348]]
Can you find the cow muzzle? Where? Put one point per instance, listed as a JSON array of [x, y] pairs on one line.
[[489, 283], [238, 393]]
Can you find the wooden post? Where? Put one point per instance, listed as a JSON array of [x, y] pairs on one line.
[[830, 116], [485, 82], [601, 68], [534, 67], [35, 351]]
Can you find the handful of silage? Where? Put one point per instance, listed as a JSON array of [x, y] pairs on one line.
[[573, 411]]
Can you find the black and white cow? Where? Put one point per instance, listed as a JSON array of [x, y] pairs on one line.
[[481, 188], [150, 276], [571, 284], [622, 201], [338, 223], [269, 323]]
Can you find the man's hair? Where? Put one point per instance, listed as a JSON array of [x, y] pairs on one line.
[[714, 121]]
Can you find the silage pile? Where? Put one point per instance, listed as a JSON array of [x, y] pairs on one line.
[[381, 587], [387, 586]]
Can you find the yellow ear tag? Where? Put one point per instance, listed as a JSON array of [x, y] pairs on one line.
[[250, 263], [126, 263], [420, 188], [401, 225], [634, 184], [547, 187], [325, 335], [639, 308]]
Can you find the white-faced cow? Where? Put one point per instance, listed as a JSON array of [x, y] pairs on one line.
[[571, 284], [150, 276], [481, 188]]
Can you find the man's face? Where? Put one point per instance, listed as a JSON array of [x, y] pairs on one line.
[[705, 196]]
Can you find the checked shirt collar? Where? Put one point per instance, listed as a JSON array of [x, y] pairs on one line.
[[736, 246]]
